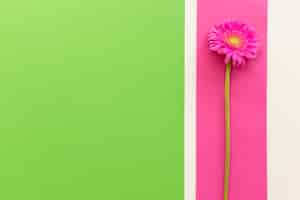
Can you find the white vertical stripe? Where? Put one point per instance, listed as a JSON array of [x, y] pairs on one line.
[[284, 100], [190, 100]]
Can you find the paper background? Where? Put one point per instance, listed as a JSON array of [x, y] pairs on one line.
[[248, 107], [91, 100], [282, 100]]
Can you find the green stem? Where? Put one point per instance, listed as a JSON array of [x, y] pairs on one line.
[[227, 132]]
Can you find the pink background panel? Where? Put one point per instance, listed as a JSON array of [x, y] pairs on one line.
[[248, 107]]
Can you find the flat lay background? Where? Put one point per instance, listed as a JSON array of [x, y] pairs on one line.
[[91, 99], [283, 80], [248, 107]]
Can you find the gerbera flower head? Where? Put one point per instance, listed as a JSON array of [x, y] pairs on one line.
[[234, 39]]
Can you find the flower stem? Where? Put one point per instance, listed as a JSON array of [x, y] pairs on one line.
[[227, 132]]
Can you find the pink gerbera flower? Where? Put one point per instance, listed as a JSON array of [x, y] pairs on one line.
[[236, 40]]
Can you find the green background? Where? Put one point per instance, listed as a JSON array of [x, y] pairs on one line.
[[91, 100]]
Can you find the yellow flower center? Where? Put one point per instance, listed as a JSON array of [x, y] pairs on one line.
[[234, 41]]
